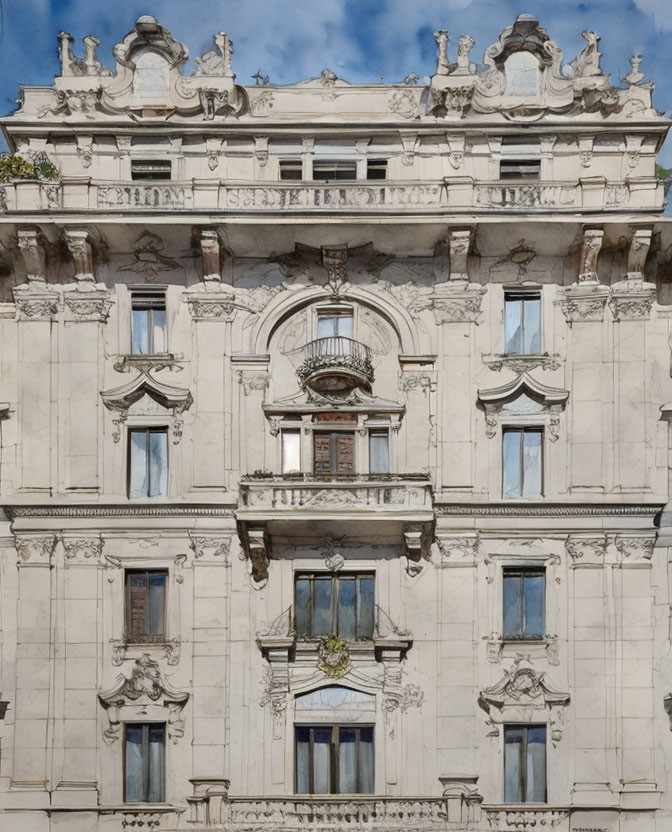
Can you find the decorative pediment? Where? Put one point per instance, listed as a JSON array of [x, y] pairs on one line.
[[145, 692], [148, 34], [524, 695], [523, 385], [120, 399], [523, 399]]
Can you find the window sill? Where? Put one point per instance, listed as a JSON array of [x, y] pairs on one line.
[[522, 362], [125, 650], [148, 361], [500, 647]]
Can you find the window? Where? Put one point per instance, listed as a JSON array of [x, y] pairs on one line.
[[291, 169], [329, 325], [522, 462], [522, 324], [376, 168], [520, 158], [328, 171], [342, 604], [525, 763], [145, 605], [519, 169], [148, 336], [291, 450], [148, 462], [144, 757], [150, 169], [334, 453], [334, 759], [524, 602], [379, 452]]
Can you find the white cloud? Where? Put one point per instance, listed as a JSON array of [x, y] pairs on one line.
[[661, 10]]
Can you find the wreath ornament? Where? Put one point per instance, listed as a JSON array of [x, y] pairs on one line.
[[333, 656]]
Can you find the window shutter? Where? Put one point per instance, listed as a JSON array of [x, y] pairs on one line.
[[345, 454], [322, 454], [137, 601]]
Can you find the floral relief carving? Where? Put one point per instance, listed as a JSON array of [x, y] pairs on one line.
[[466, 545], [35, 550], [124, 651], [82, 549], [250, 383], [422, 382], [586, 548], [214, 547], [635, 547], [522, 363], [333, 656], [578, 305]]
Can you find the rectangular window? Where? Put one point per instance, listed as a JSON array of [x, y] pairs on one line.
[[291, 169], [522, 468], [329, 171], [145, 744], [519, 169], [146, 605], [376, 169], [524, 592], [522, 324], [334, 453], [525, 763], [147, 462], [334, 759], [343, 604], [334, 325], [379, 452], [150, 169], [291, 451], [148, 330]]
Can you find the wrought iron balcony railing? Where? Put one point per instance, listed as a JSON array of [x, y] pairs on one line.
[[336, 364]]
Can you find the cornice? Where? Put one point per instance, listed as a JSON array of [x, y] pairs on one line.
[[546, 510], [117, 510]]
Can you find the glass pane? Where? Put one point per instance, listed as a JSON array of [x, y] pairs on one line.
[[536, 765], [138, 481], [511, 484], [321, 756], [140, 332], [344, 326], [291, 451], [158, 464], [532, 312], [532, 464], [513, 740], [156, 763], [534, 605], [157, 595], [365, 610], [134, 782], [379, 457], [347, 761], [326, 326], [346, 608], [366, 761], [513, 625], [159, 330], [322, 618], [303, 760], [302, 607], [513, 327]]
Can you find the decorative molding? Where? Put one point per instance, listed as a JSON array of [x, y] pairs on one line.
[[80, 550], [210, 547], [456, 303], [88, 306], [547, 510], [333, 656], [635, 547], [249, 383], [116, 511], [466, 545], [78, 243], [590, 249], [32, 253], [35, 300], [145, 686], [410, 381], [586, 549], [460, 241], [123, 651], [522, 363], [148, 363], [551, 401], [584, 303], [632, 304], [35, 550]]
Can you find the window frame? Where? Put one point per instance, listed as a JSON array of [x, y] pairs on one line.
[[160, 304], [146, 429], [522, 430], [144, 166], [523, 772], [523, 297], [146, 726], [379, 431], [334, 749], [335, 578], [147, 638], [522, 572], [334, 434]]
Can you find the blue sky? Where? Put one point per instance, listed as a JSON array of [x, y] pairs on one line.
[[360, 40]]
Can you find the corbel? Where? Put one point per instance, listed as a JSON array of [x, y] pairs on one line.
[[640, 244], [409, 143], [590, 249], [460, 242], [79, 246], [210, 255], [32, 253], [455, 150], [586, 144], [261, 150]]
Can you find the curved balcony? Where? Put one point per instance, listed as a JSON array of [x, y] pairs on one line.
[[336, 365]]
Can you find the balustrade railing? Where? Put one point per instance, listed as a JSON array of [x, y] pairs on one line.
[[337, 353], [149, 197]]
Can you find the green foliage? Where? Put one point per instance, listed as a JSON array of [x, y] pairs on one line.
[[16, 167], [661, 172]]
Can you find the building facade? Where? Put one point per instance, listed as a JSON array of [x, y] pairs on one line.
[[334, 446]]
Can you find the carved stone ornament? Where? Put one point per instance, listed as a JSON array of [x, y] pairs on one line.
[[547, 402], [460, 241], [91, 305], [635, 547], [333, 656], [79, 246], [334, 260], [210, 547], [36, 300], [210, 254], [123, 651], [522, 363], [458, 549], [523, 695], [145, 687], [457, 303], [585, 550], [256, 545], [35, 550], [632, 304], [405, 103], [590, 249], [582, 303], [32, 252], [640, 244], [83, 550], [455, 150]]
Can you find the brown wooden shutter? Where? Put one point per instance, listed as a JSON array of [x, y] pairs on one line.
[[322, 454], [345, 454], [137, 595]]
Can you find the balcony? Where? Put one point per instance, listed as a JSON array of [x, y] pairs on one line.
[[336, 365], [395, 510]]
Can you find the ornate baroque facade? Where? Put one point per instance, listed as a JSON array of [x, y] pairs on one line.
[[334, 456]]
